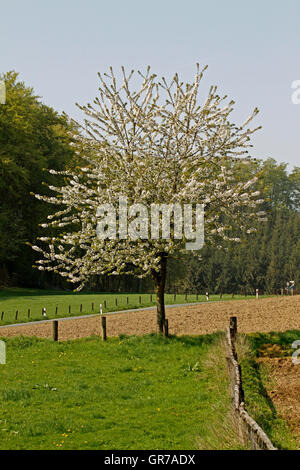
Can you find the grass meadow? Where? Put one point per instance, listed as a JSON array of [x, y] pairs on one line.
[[130, 392], [145, 392]]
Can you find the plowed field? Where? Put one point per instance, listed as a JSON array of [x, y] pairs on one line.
[[263, 315]]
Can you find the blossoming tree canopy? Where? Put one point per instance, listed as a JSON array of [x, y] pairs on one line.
[[151, 143]]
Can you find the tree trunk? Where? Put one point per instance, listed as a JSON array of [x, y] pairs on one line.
[[160, 282]]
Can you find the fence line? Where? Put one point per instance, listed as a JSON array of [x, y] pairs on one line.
[[248, 428], [115, 301]]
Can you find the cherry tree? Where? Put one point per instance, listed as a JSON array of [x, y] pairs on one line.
[[151, 143]]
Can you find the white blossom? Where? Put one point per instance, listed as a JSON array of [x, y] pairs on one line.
[[157, 144]]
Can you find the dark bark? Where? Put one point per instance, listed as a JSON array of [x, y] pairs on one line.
[[160, 282]]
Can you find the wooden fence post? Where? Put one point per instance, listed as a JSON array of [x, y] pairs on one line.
[[55, 330], [103, 324], [233, 328]]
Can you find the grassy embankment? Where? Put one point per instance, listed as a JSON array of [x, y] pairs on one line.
[[257, 380]]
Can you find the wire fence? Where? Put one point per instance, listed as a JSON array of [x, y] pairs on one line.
[[39, 307]]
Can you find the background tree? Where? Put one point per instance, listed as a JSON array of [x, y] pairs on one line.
[[154, 145], [267, 258], [32, 137]]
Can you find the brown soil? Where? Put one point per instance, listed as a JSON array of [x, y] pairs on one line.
[[270, 314], [284, 390]]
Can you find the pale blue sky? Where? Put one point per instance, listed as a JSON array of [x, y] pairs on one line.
[[252, 49]]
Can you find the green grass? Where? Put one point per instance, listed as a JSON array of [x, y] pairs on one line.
[[17, 299], [127, 393], [256, 378], [262, 343]]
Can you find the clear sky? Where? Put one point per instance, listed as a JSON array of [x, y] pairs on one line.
[[252, 49]]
